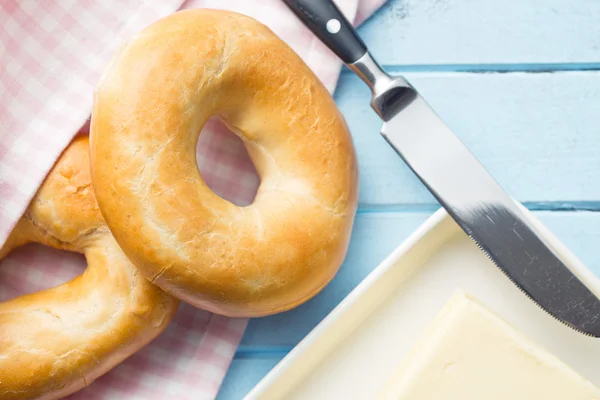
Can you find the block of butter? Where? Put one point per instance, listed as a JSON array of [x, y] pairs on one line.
[[470, 353]]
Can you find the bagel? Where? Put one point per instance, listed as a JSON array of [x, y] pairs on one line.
[[55, 342], [150, 105]]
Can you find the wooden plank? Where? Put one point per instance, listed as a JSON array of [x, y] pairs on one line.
[[538, 134], [374, 237], [243, 375], [485, 32]]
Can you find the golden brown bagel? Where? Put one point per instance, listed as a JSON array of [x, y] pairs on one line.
[[151, 103], [55, 342]]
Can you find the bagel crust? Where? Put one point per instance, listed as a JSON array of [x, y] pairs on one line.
[[151, 103], [57, 341]]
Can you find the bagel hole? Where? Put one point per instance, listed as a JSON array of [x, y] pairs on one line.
[[34, 267], [225, 165]]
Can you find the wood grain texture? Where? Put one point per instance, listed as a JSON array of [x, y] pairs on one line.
[[485, 32], [243, 374], [268, 339], [537, 134]]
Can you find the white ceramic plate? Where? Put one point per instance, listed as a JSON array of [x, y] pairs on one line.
[[353, 351]]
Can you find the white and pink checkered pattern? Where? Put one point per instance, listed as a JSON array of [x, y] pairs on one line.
[[51, 55]]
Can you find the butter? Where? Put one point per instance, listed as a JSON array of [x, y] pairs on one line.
[[470, 353]]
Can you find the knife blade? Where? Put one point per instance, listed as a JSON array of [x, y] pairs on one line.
[[461, 184]]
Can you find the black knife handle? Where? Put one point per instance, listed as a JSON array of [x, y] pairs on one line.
[[328, 23]]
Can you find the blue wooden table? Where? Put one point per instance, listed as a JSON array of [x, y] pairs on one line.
[[519, 83]]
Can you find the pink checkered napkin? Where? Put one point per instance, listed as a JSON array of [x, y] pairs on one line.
[[51, 55]]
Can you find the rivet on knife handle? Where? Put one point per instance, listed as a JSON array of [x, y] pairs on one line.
[[328, 23]]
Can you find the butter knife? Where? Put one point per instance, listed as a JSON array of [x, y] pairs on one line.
[[455, 177]]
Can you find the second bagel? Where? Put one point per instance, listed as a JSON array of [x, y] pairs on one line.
[[151, 103]]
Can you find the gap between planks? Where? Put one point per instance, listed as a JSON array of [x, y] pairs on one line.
[[491, 68], [253, 352], [553, 206]]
